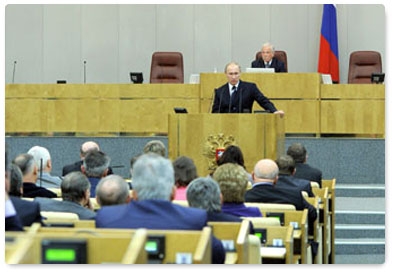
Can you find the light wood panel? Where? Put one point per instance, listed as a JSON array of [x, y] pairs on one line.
[[258, 135]]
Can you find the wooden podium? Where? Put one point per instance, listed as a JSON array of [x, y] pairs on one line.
[[201, 136]]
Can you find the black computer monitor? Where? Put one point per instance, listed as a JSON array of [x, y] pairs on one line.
[[180, 110], [278, 215], [61, 251], [136, 77], [377, 77]]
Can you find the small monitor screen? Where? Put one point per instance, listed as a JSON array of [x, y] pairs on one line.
[[151, 246], [60, 255], [277, 215], [61, 251]]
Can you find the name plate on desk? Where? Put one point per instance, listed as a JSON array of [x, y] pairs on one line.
[[273, 252]]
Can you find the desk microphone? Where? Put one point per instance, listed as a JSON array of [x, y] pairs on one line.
[[220, 101], [240, 101], [13, 73], [84, 71]]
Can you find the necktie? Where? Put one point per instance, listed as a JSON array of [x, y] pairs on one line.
[[233, 93], [267, 65]]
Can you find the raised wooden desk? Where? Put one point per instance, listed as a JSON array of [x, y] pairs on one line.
[[353, 109]]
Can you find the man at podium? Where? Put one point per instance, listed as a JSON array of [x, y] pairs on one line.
[[238, 96]]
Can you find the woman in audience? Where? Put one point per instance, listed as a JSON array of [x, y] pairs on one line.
[[184, 172], [233, 154], [232, 180]]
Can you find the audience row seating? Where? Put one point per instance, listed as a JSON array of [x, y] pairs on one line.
[[111, 245]]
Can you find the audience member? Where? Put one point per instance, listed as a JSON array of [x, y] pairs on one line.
[[237, 96], [184, 172], [233, 154], [303, 170], [95, 167], [132, 161], [264, 190], [42, 157], [268, 60], [204, 193], [112, 190], [153, 188], [286, 166], [233, 180], [155, 146], [30, 173], [84, 149], [16, 181], [75, 189], [12, 220], [28, 211]]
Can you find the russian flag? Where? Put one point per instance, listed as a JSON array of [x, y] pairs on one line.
[[328, 61]]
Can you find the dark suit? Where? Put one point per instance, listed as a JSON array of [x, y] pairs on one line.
[[298, 183], [247, 93], [157, 214], [12, 220], [28, 211], [47, 204], [31, 190], [307, 172], [94, 181], [276, 64], [269, 193], [76, 167]]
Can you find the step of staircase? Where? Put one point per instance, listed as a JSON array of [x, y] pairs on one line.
[[360, 190], [360, 226], [344, 231], [360, 246]]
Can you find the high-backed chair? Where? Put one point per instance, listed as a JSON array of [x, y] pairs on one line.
[[279, 55], [167, 67], [361, 66]]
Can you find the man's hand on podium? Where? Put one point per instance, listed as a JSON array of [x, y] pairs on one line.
[[280, 112]]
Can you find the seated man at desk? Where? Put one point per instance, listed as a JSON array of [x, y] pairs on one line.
[[238, 96], [268, 60]]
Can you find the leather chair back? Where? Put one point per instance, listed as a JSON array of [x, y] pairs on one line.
[[167, 67], [361, 66], [279, 55]]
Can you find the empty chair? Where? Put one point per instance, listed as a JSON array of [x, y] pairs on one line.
[[167, 67], [362, 64], [279, 55]]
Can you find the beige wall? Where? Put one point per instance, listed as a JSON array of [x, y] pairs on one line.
[[51, 42]]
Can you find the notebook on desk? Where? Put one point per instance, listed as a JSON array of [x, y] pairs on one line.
[[259, 70]]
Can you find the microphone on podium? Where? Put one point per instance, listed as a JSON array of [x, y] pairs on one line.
[[13, 72], [84, 71]]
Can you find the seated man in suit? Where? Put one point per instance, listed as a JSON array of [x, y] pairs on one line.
[[268, 60], [28, 211], [12, 220], [95, 167], [237, 96], [264, 190], [29, 170], [75, 189], [153, 190], [303, 170], [286, 178], [84, 149], [112, 190]]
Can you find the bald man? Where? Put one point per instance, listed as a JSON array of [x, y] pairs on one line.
[[112, 190], [265, 176], [84, 149]]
